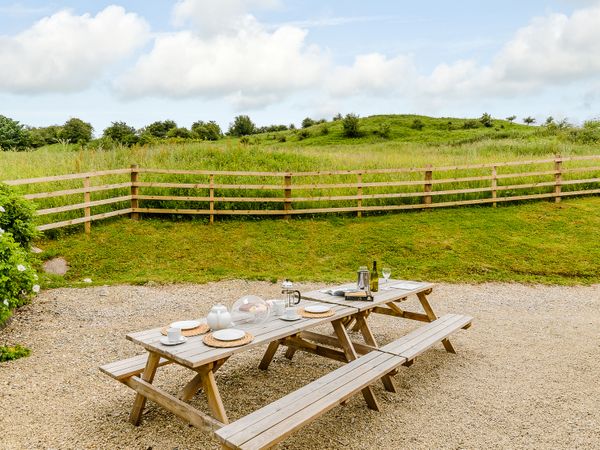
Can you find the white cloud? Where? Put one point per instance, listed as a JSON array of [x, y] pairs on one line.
[[212, 17], [252, 67], [65, 52]]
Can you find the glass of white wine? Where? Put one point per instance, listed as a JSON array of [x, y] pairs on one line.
[[386, 272]]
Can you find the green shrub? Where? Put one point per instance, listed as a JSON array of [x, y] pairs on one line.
[[76, 131], [351, 125], [245, 140], [303, 134], [384, 130], [11, 353], [13, 135], [208, 131], [417, 124], [470, 124], [16, 216], [159, 129], [486, 120], [282, 138], [308, 122], [180, 132], [121, 133], [242, 126], [324, 130], [38, 137]]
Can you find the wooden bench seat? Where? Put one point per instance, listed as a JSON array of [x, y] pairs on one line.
[[129, 367], [273, 423], [424, 337]]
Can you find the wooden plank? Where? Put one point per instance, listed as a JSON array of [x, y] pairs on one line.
[[129, 367], [105, 187], [70, 176], [427, 187], [297, 343], [135, 190], [361, 349], [404, 314], [271, 187], [359, 193], [557, 179], [581, 169], [264, 431], [65, 223], [287, 195], [106, 201], [213, 396], [494, 186], [87, 212], [268, 356], [173, 404], [212, 172], [211, 197], [148, 377]]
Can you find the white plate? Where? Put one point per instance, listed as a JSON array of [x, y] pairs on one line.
[[186, 324], [165, 341], [229, 334], [317, 308], [291, 319]]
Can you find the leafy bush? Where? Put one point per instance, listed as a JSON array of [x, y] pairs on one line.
[[245, 140], [13, 135], [11, 353], [324, 130], [470, 124], [417, 124], [76, 131], [384, 130], [209, 131], [303, 134], [351, 125], [528, 120], [282, 138], [307, 122], [242, 126], [159, 129], [337, 117], [121, 133], [180, 132], [38, 137], [486, 120], [16, 216], [511, 118]]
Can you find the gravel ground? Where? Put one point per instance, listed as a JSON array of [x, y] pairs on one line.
[[525, 376]]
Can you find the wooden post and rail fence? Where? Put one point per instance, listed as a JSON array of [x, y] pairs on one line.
[[421, 197]]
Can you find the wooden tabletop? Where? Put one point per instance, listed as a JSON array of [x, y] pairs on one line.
[[388, 292], [194, 353]]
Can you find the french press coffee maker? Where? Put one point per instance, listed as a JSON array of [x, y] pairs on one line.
[[292, 296]]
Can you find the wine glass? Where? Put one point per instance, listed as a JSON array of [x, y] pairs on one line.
[[386, 272]]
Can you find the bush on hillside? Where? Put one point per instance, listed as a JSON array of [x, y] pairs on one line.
[[307, 122], [417, 124], [303, 134], [179, 132], [486, 120], [76, 131], [324, 130], [38, 137], [121, 133], [242, 126], [384, 130], [13, 135], [351, 125], [159, 129], [208, 131], [470, 124]]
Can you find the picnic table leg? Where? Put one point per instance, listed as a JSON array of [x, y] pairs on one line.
[[213, 396], [429, 311], [365, 330], [148, 376], [351, 355], [192, 388], [268, 356]]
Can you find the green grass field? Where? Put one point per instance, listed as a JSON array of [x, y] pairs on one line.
[[538, 242]]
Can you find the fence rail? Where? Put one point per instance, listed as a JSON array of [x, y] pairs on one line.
[[289, 193]]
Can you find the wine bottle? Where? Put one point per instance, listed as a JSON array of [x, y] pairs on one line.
[[374, 278]]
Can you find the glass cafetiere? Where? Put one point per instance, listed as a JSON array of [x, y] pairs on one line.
[[292, 296]]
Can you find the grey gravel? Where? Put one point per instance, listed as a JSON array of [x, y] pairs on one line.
[[525, 376]]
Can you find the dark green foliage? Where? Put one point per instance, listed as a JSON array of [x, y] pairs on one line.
[[38, 137], [245, 140], [242, 126], [208, 131], [307, 122], [337, 117], [351, 125], [324, 130], [486, 120], [549, 120], [384, 130], [76, 131], [179, 132], [159, 129], [303, 134], [11, 353], [121, 133], [292, 126], [282, 138], [271, 128], [470, 124], [417, 124], [511, 118], [588, 134], [13, 135], [528, 120], [16, 216]]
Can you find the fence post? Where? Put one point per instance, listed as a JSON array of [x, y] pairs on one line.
[[494, 185], [359, 192], [211, 195], [557, 178], [87, 211], [287, 194], [427, 186], [134, 192]]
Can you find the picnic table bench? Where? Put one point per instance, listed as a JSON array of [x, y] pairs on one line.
[[365, 364]]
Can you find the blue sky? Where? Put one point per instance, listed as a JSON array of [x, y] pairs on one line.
[[280, 61]]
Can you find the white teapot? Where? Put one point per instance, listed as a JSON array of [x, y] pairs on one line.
[[218, 318]]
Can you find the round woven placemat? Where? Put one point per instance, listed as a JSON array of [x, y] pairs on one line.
[[209, 340], [309, 315], [203, 328]]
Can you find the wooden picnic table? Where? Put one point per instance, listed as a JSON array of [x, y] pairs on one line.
[[204, 360]]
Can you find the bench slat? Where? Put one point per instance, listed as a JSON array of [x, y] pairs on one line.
[[126, 368], [416, 342], [274, 422]]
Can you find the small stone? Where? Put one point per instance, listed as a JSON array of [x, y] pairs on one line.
[[103, 291], [87, 280], [36, 250], [56, 266]]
